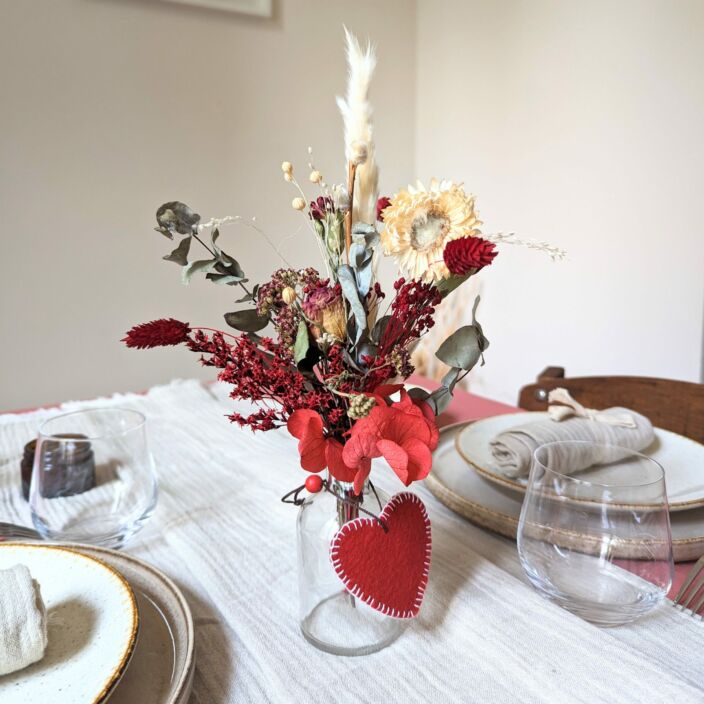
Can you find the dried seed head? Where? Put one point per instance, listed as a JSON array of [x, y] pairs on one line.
[[298, 204], [288, 295], [287, 167], [315, 176], [360, 406]]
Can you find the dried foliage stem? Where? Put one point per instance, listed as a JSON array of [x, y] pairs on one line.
[[241, 285], [239, 220], [555, 253], [351, 173]]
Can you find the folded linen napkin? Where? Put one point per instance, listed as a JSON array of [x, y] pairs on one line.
[[513, 449], [23, 635]]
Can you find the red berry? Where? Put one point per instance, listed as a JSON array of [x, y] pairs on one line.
[[314, 483]]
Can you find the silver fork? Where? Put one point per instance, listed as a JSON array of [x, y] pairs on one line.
[[10, 531], [689, 597]]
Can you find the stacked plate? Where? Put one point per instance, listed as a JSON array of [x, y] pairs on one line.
[[466, 478], [118, 628]]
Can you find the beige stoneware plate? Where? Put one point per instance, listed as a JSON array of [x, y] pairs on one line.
[[682, 459], [92, 622], [498, 508], [162, 667]]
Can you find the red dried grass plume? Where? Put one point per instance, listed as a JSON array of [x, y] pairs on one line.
[[157, 333], [467, 253]]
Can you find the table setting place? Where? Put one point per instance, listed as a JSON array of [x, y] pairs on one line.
[[317, 524]]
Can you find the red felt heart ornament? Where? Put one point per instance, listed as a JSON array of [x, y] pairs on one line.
[[386, 569]]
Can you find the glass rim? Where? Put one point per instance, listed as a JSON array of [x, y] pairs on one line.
[[577, 480], [140, 421]]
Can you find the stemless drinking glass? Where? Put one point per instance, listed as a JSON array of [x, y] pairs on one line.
[[597, 542], [93, 479]]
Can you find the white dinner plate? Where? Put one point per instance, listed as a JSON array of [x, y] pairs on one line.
[[498, 508], [682, 459], [162, 665], [92, 622]]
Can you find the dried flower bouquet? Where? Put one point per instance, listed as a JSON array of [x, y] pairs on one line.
[[331, 369]]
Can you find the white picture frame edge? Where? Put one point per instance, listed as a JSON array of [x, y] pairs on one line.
[[259, 8]]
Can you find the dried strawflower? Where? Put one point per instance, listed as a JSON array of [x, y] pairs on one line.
[[420, 222], [298, 203], [315, 176], [157, 333], [467, 253]]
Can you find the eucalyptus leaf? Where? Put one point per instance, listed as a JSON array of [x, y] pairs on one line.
[[176, 217], [247, 320], [202, 266], [252, 296], [364, 239], [464, 348], [348, 281], [379, 327], [365, 234], [364, 276], [300, 348], [180, 254], [440, 399], [461, 349], [228, 265], [483, 342], [418, 393]]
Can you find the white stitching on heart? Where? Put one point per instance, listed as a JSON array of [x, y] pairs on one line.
[[357, 523]]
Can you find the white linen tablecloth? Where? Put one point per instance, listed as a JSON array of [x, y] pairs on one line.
[[483, 635]]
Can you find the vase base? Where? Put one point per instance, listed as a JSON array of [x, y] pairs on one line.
[[343, 625]]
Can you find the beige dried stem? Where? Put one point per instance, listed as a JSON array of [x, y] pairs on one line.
[[363, 175]]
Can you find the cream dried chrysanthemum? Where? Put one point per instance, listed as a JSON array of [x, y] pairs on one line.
[[420, 222]]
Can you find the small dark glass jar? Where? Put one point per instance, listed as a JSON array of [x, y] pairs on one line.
[[69, 466]]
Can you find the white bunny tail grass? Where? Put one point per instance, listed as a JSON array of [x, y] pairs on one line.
[[555, 253], [357, 117]]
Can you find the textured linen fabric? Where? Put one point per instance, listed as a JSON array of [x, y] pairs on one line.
[[513, 449], [483, 634], [22, 620]]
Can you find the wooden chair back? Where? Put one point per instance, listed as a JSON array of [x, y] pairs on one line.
[[674, 405]]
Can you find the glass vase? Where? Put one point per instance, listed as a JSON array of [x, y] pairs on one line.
[[332, 619]]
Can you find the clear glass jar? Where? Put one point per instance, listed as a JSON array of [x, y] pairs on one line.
[[331, 618]]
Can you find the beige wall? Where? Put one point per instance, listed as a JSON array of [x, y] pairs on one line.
[[580, 123], [575, 122], [111, 107]]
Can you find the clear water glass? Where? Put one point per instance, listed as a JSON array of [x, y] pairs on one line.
[[93, 479], [600, 549]]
